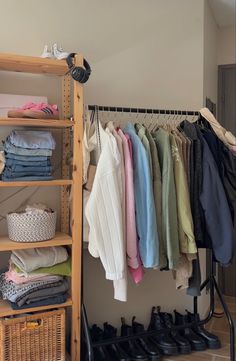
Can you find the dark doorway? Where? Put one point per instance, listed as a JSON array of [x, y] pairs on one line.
[[227, 117]]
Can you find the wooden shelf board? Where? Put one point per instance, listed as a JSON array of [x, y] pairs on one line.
[[6, 310], [52, 183], [60, 239], [26, 122], [33, 65]]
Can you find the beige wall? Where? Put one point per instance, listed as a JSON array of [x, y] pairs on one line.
[[142, 54], [210, 55], [227, 45]]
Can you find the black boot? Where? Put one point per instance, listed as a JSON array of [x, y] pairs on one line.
[[115, 350], [197, 342], [163, 339], [183, 344], [100, 352], [149, 347], [132, 347], [211, 340]]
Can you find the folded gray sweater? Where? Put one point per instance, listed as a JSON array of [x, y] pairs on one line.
[[29, 260]]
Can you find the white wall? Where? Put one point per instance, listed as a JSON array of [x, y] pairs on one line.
[[142, 54], [227, 45]]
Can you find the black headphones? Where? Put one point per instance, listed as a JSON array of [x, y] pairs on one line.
[[77, 72]]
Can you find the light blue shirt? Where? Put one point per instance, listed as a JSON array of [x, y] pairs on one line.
[[144, 202]]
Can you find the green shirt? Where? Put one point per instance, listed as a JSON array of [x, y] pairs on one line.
[[186, 233], [169, 204]]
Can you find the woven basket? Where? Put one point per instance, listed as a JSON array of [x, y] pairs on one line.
[[26, 227], [40, 337]]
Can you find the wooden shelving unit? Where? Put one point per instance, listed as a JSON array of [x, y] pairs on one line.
[[6, 310], [52, 183], [35, 65], [46, 123], [32, 64], [60, 239]]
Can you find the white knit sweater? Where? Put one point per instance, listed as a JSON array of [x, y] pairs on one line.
[[104, 215]]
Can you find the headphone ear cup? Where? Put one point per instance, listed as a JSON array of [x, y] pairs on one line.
[[75, 73], [86, 76], [83, 76], [80, 74]]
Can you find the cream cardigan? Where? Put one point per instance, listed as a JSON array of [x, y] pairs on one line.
[[104, 215]]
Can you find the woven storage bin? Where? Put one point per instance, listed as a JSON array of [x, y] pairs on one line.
[[40, 337], [26, 227]]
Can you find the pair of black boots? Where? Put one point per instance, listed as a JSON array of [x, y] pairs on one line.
[[165, 341], [139, 349], [174, 342]]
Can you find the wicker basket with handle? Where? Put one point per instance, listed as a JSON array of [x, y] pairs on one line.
[[31, 227], [40, 337]]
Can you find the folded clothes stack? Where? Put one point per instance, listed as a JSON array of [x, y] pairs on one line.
[[28, 156], [36, 277]]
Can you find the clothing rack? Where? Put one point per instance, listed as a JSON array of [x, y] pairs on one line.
[[103, 108], [210, 281]]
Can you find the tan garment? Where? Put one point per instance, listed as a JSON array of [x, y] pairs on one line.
[[183, 272], [2, 161], [227, 137]]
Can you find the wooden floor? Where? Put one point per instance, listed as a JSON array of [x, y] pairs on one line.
[[220, 328]]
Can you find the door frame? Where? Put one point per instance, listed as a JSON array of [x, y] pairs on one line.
[[220, 99], [220, 117]]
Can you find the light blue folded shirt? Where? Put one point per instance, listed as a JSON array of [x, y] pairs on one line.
[[144, 202], [32, 139]]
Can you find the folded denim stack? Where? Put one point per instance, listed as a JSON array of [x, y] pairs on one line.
[[28, 156], [36, 277]]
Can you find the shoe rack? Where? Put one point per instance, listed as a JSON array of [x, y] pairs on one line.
[[72, 98]]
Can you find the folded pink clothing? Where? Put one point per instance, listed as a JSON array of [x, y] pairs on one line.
[[20, 278], [32, 110]]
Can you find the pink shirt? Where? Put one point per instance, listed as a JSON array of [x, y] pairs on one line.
[[133, 258]]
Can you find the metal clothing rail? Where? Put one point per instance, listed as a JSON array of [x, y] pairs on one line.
[[211, 280], [104, 108]]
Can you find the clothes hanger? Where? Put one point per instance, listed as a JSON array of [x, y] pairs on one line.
[[156, 123]]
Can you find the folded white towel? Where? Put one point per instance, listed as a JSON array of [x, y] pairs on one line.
[[29, 260]]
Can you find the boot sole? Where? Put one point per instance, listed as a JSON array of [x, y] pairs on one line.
[[154, 358], [214, 345], [185, 350], [199, 347], [169, 351]]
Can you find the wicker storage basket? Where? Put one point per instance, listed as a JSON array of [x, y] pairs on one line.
[[27, 227], [40, 337]]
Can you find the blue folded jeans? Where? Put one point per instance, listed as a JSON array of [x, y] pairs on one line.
[[26, 178], [14, 162], [24, 174], [15, 168], [32, 139], [27, 158], [10, 148]]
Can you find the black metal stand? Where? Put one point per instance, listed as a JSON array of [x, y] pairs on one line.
[[211, 281]]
